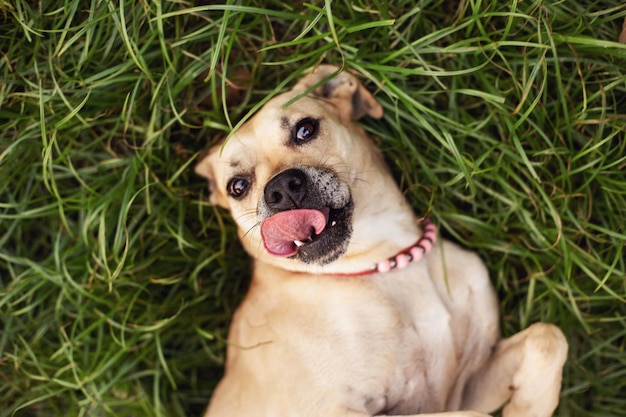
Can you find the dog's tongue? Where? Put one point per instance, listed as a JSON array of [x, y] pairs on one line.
[[281, 230]]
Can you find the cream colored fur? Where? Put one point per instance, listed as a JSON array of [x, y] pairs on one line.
[[423, 340]]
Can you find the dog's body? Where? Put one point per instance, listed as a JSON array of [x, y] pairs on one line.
[[319, 334]]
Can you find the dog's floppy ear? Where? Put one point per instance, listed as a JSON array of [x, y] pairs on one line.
[[204, 168], [345, 91]]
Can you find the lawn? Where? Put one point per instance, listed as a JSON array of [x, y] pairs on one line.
[[505, 122]]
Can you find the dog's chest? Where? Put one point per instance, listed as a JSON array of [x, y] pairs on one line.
[[376, 344], [393, 344], [421, 346]]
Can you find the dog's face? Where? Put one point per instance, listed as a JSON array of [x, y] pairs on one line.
[[294, 177]]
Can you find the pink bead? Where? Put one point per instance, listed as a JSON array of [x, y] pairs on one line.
[[430, 232], [416, 253], [427, 245], [384, 266], [402, 261]]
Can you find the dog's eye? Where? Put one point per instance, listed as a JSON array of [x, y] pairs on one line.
[[305, 130], [238, 187]]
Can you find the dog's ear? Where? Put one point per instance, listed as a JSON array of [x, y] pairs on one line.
[[344, 90], [204, 168]]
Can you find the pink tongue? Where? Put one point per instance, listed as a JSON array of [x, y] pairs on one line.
[[280, 230]]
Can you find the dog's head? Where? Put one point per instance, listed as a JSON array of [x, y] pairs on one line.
[[298, 178]]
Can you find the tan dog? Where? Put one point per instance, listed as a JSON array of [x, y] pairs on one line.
[[352, 311]]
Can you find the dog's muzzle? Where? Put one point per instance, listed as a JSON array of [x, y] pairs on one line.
[[306, 214]]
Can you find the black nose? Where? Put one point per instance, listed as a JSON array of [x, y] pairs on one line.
[[286, 191]]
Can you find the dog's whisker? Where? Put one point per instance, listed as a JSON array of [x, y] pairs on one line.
[[251, 229], [246, 216]]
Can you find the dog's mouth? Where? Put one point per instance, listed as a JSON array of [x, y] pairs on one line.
[[304, 232]]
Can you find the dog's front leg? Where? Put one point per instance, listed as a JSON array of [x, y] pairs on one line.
[[525, 370]]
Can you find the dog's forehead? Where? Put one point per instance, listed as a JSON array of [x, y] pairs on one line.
[[287, 109], [263, 138], [273, 124]]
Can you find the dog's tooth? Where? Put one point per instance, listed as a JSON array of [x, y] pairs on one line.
[[333, 223], [298, 243]]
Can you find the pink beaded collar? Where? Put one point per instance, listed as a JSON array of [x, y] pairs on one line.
[[413, 253]]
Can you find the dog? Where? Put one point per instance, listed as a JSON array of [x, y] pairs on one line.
[[355, 308]]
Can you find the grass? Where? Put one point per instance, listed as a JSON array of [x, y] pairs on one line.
[[505, 121]]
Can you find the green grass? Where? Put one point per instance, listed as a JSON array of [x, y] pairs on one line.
[[505, 121]]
